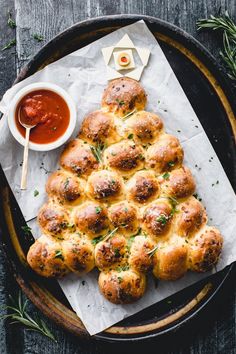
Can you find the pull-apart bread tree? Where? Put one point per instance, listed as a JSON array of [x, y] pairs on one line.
[[123, 202]]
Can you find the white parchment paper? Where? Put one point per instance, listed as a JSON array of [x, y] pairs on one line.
[[83, 75]]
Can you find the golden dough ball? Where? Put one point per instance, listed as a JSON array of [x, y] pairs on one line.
[[165, 154], [110, 252], [170, 260], [46, 258], [124, 216], [91, 219], [191, 217], [204, 249], [79, 158], [157, 218], [98, 128], [143, 187], [122, 287], [143, 126], [105, 186], [65, 188], [54, 219], [78, 254], [141, 249], [125, 157], [123, 96], [178, 183]]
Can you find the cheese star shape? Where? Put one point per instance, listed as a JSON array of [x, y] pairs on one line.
[[125, 44]]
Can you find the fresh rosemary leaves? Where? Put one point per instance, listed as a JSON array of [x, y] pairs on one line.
[[227, 25], [18, 314]]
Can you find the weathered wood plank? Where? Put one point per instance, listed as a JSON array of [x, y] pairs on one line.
[[7, 76], [49, 18]]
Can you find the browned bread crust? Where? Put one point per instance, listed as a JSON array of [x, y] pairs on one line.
[[123, 202]]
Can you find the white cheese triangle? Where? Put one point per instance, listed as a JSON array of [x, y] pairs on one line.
[[136, 74], [125, 42], [112, 74], [144, 55], [107, 52]]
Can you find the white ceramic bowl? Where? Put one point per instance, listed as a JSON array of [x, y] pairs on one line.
[[42, 86]]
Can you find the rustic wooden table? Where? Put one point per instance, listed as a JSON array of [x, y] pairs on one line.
[[215, 331]]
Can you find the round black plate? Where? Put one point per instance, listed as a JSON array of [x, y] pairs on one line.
[[212, 100]]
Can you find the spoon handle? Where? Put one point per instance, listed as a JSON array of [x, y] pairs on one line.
[[25, 160]]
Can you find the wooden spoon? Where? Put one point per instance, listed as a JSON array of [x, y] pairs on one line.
[[27, 127]]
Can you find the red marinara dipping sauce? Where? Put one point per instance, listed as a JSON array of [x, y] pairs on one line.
[[48, 111]]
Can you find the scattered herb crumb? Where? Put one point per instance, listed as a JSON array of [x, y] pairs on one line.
[[38, 37], [9, 44], [166, 175], [98, 210], [26, 229], [162, 219], [58, 254], [11, 23], [130, 136], [36, 192]]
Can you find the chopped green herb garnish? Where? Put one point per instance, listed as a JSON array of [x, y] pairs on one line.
[[70, 225], [11, 23], [174, 203], [9, 44], [97, 240], [141, 157], [171, 163], [130, 136], [66, 183], [36, 192], [120, 103], [97, 151], [117, 252], [27, 230], [120, 279], [38, 37], [130, 241], [166, 175], [98, 209], [58, 254], [162, 219], [122, 268]]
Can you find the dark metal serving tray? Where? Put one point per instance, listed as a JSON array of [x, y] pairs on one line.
[[212, 100]]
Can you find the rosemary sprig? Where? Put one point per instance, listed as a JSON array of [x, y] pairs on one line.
[[129, 114], [11, 23], [227, 25], [110, 234], [104, 238], [153, 251], [19, 315], [9, 44], [97, 151]]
